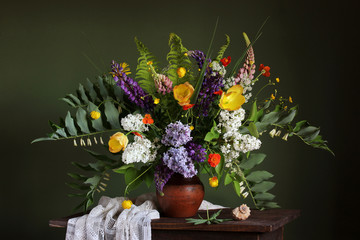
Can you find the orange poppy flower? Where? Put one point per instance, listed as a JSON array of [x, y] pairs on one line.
[[147, 119], [265, 70], [226, 61], [188, 106]]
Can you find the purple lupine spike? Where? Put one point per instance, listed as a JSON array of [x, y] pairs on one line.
[[131, 88], [162, 175], [212, 82]]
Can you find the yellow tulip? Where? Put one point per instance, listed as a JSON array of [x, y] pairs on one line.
[[183, 93], [232, 99], [181, 71], [118, 142]]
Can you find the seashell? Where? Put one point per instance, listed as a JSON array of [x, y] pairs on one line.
[[241, 213]]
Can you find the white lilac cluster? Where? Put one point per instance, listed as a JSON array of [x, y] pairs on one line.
[[141, 150], [216, 67], [231, 120], [246, 83], [235, 142], [133, 122], [228, 83]]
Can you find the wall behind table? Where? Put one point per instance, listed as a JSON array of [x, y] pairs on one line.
[[42, 48]]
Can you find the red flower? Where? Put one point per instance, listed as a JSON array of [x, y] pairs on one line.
[[187, 106], [137, 134], [147, 119], [265, 70], [218, 92], [214, 159], [226, 61]]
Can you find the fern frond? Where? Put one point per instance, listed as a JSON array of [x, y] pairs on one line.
[[143, 74], [177, 58], [104, 98], [223, 49]]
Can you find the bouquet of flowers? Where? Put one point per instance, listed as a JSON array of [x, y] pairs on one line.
[[193, 115]]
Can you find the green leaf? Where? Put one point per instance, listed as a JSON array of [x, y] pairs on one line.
[[70, 126], [61, 132], [82, 121], [213, 134], [299, 125], [97, 124], [112, 114], [263, 186], [85, 167], [93, 181], [219, 168], [100, 157], [68, 101], [236, 186], [92, 92], [130, 175], [253, 130], [74, 99], [148, 178], [77, 176], [228, 179], [123, 168], [307, 131], [287, 118], [259, 176], [103, 90], [83, 94], [264, 196], [252, 161], [42, 139], [89, 203], [253, 112]]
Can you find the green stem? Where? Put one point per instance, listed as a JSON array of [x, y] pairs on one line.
[[127, 186], [247, 185], [89, 134]]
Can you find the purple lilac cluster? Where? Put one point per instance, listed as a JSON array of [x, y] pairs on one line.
[[178, 160], [176, 134], [196, 152], [131, 88], [161, 176], [212, 82]]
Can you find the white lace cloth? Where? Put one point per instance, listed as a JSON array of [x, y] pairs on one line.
[[109, 221]]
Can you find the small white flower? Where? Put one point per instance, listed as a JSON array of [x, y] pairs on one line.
[[88, 142], [285, 137], [101, 141], [95, 140], [242, 189], [75, 144], [245, 194], [277, 134], [272, 133]]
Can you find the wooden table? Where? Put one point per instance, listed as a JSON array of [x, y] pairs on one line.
[[261, 225]]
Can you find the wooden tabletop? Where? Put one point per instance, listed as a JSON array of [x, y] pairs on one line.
[[259, 221]]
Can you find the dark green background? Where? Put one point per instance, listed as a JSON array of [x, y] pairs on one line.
[[308, 44]]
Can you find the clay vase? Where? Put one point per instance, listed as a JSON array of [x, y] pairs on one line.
[[182, 196]]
